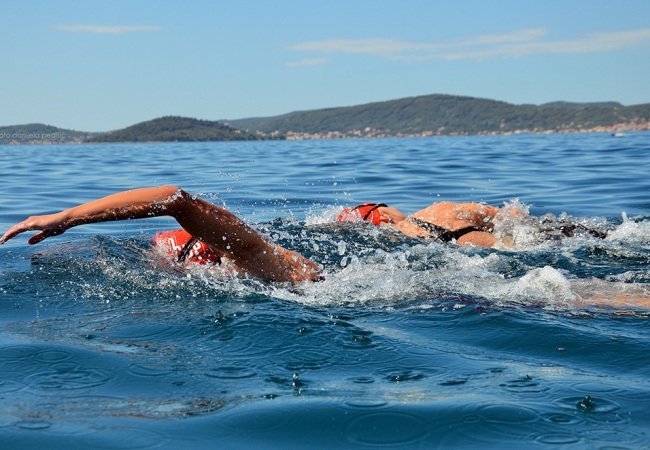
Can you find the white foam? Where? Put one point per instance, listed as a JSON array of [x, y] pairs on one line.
[[546, 285], [322, 216], [631, 231], [390, 279], [404, 274]]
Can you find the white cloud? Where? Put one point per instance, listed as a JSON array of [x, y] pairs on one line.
[[307, 62], [106, 29], [517, 43]]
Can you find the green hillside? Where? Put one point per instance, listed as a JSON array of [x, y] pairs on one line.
[[447, 114], [430, 114], [172, 128], [38, 133]]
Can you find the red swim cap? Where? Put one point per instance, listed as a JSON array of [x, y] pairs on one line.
[[180, 245], [367, 211]]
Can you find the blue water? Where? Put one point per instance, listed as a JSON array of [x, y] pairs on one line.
[[407, 344]]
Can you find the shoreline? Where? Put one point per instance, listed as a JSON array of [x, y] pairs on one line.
[[614, 130]]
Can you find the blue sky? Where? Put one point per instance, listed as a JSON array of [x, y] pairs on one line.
[[100, 65]]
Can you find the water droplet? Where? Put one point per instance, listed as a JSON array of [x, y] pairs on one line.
[[295, 380], [586, 404]]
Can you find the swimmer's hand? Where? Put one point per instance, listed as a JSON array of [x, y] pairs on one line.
[[48, 225]]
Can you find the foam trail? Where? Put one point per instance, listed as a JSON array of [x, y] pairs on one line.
[[369, 266], [629, 230]]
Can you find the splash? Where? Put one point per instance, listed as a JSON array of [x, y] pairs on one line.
[[377, 267], [320, 216], [631, 231]]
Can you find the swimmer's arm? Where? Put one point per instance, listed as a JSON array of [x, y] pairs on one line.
[[215, 226], [478, 238], [134, 204], [225, 232]]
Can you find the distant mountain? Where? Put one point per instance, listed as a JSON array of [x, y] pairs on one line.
[[571, 105], [173, 128], [447, 114], [163, 129], [425, 115], [37, 133]]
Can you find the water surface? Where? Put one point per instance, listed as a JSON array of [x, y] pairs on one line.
[[407, 343]]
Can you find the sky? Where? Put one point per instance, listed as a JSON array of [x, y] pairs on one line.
[[96, 65]]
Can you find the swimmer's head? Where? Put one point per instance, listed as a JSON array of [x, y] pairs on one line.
[[369, 212]]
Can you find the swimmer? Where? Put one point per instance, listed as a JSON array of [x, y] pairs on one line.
[[210, 232], [473, 224], [462, 223], [220, 232]]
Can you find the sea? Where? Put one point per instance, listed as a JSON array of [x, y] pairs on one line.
[[407, 343]]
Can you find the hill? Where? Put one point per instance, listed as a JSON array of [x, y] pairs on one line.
[[447, 114], [435, 114], [38, 133], [173, 128]]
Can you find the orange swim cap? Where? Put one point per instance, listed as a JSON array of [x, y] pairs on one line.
[[366, 211], [180, 245]]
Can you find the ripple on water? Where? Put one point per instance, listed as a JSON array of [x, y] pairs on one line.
[[7, 386], [359, 339], [494, 425], [150, 332], [264, 421], [231, 372], [558, 438], [563, 419], [243, 345], [122, 438], [403, 375], [595, 387], [68, 376], [362, 380], [301, 358], [16, 353], [524, 385], [365, 403], [140, 370], [454, 382], [394, 428], [506, 413], [33, 424], [52, 356], [595, 409], [616, 438]]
